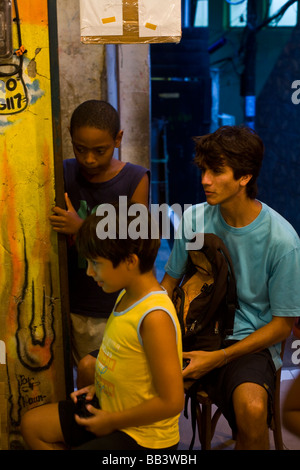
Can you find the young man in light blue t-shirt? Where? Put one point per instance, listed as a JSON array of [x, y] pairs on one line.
[[265, 252]]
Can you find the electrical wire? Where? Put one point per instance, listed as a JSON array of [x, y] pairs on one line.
[[277, 15]]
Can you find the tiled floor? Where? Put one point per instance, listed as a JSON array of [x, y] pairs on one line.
[[222, 439]]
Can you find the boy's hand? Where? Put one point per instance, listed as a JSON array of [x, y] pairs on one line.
[[65, 221], [89, 391], [100, 424]]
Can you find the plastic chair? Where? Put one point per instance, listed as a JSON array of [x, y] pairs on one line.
[[206, 421]]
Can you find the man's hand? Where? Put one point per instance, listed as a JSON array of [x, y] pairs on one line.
[[65, 221], [202, 362]]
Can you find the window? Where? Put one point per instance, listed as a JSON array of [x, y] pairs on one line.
[[289, 18], [237, 13], [201, 16]]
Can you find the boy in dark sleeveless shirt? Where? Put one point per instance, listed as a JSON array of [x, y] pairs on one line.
[[92, 178]]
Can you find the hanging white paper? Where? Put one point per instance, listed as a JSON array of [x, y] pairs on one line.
[[101, 18], [159, 18]]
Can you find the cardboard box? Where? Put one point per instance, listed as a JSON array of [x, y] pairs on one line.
[[130, 21]]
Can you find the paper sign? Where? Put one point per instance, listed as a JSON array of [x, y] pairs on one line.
[[130, 21], [163, 17], [104, 18]]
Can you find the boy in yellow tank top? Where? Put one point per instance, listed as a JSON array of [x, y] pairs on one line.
[[138, 379]]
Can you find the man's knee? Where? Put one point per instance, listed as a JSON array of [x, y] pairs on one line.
[[250, 403], [251, 410]]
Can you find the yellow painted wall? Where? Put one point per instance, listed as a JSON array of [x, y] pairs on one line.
[[30, 300]]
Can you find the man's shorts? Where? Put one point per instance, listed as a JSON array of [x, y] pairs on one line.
[[256, 368]]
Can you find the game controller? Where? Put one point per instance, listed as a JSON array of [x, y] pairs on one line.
[[80, 406]]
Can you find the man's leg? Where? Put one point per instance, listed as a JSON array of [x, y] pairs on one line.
[[250, 403], [41, 429]]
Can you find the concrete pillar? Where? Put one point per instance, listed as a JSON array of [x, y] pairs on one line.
[[134, 102]]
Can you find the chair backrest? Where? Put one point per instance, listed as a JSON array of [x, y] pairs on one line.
[[276, 420]]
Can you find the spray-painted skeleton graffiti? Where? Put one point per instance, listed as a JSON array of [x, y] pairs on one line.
[[39, 333], [30, 308]]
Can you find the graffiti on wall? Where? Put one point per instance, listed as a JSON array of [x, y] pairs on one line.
[[30, 308]]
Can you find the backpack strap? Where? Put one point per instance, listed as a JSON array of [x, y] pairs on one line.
[[231, 298], [191, 395]]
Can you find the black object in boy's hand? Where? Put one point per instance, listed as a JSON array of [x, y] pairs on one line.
[[80, 406], [185, 363]]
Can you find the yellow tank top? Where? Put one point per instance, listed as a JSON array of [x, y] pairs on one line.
[[123, 379]]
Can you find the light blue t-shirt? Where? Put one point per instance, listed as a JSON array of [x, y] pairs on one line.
[[266, 260]]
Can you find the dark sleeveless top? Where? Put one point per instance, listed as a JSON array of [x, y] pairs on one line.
[[85, 296]]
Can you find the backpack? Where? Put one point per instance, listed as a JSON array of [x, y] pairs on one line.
[[205, 301], [206, 298]]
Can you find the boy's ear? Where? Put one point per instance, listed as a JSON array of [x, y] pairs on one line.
[[244, 180], [118, 139], [132, 261]]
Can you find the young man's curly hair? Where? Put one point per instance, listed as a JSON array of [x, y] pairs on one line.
[[238, 147]]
